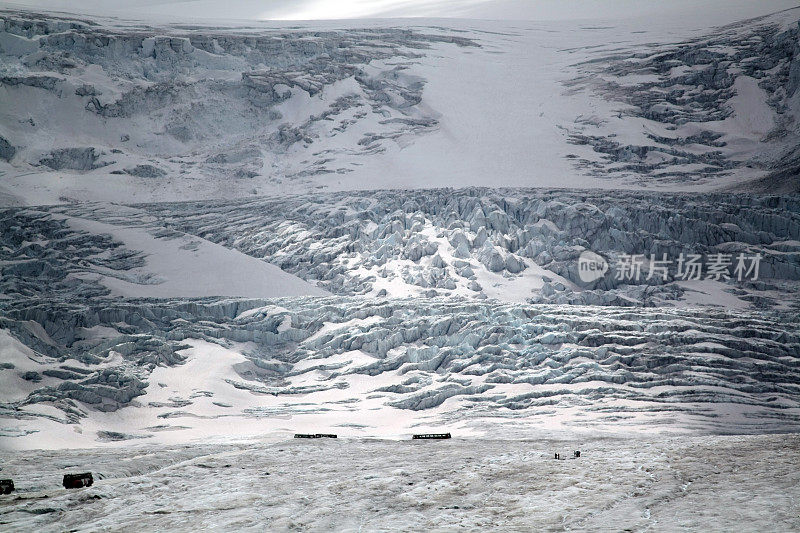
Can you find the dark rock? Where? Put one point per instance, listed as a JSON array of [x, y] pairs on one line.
[[7, 151]]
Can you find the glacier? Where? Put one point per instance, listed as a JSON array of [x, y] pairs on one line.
[[304, 208], [217, 234], [463, 307]]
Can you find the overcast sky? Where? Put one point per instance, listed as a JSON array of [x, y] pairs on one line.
[[346, 9]]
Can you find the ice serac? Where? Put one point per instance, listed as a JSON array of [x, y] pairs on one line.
[[96, 319], [510, 244], [584, 367]]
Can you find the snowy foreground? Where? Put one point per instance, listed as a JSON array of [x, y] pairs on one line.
[[742, 483]]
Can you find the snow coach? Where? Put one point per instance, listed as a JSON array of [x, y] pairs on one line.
[[432, 436], [78, 481], [6, 486]]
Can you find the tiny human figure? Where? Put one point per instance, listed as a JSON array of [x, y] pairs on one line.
[[577, 453]]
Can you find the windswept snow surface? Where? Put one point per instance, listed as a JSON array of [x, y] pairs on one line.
[[728, 483]]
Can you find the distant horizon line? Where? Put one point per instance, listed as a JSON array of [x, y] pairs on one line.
[[134, 13]]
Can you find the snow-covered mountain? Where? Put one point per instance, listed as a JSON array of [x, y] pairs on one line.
[[125, 111], [375, 228]]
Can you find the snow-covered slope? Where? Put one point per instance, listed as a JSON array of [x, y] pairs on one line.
[[175, 265], [134, 260], [124, 111]]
